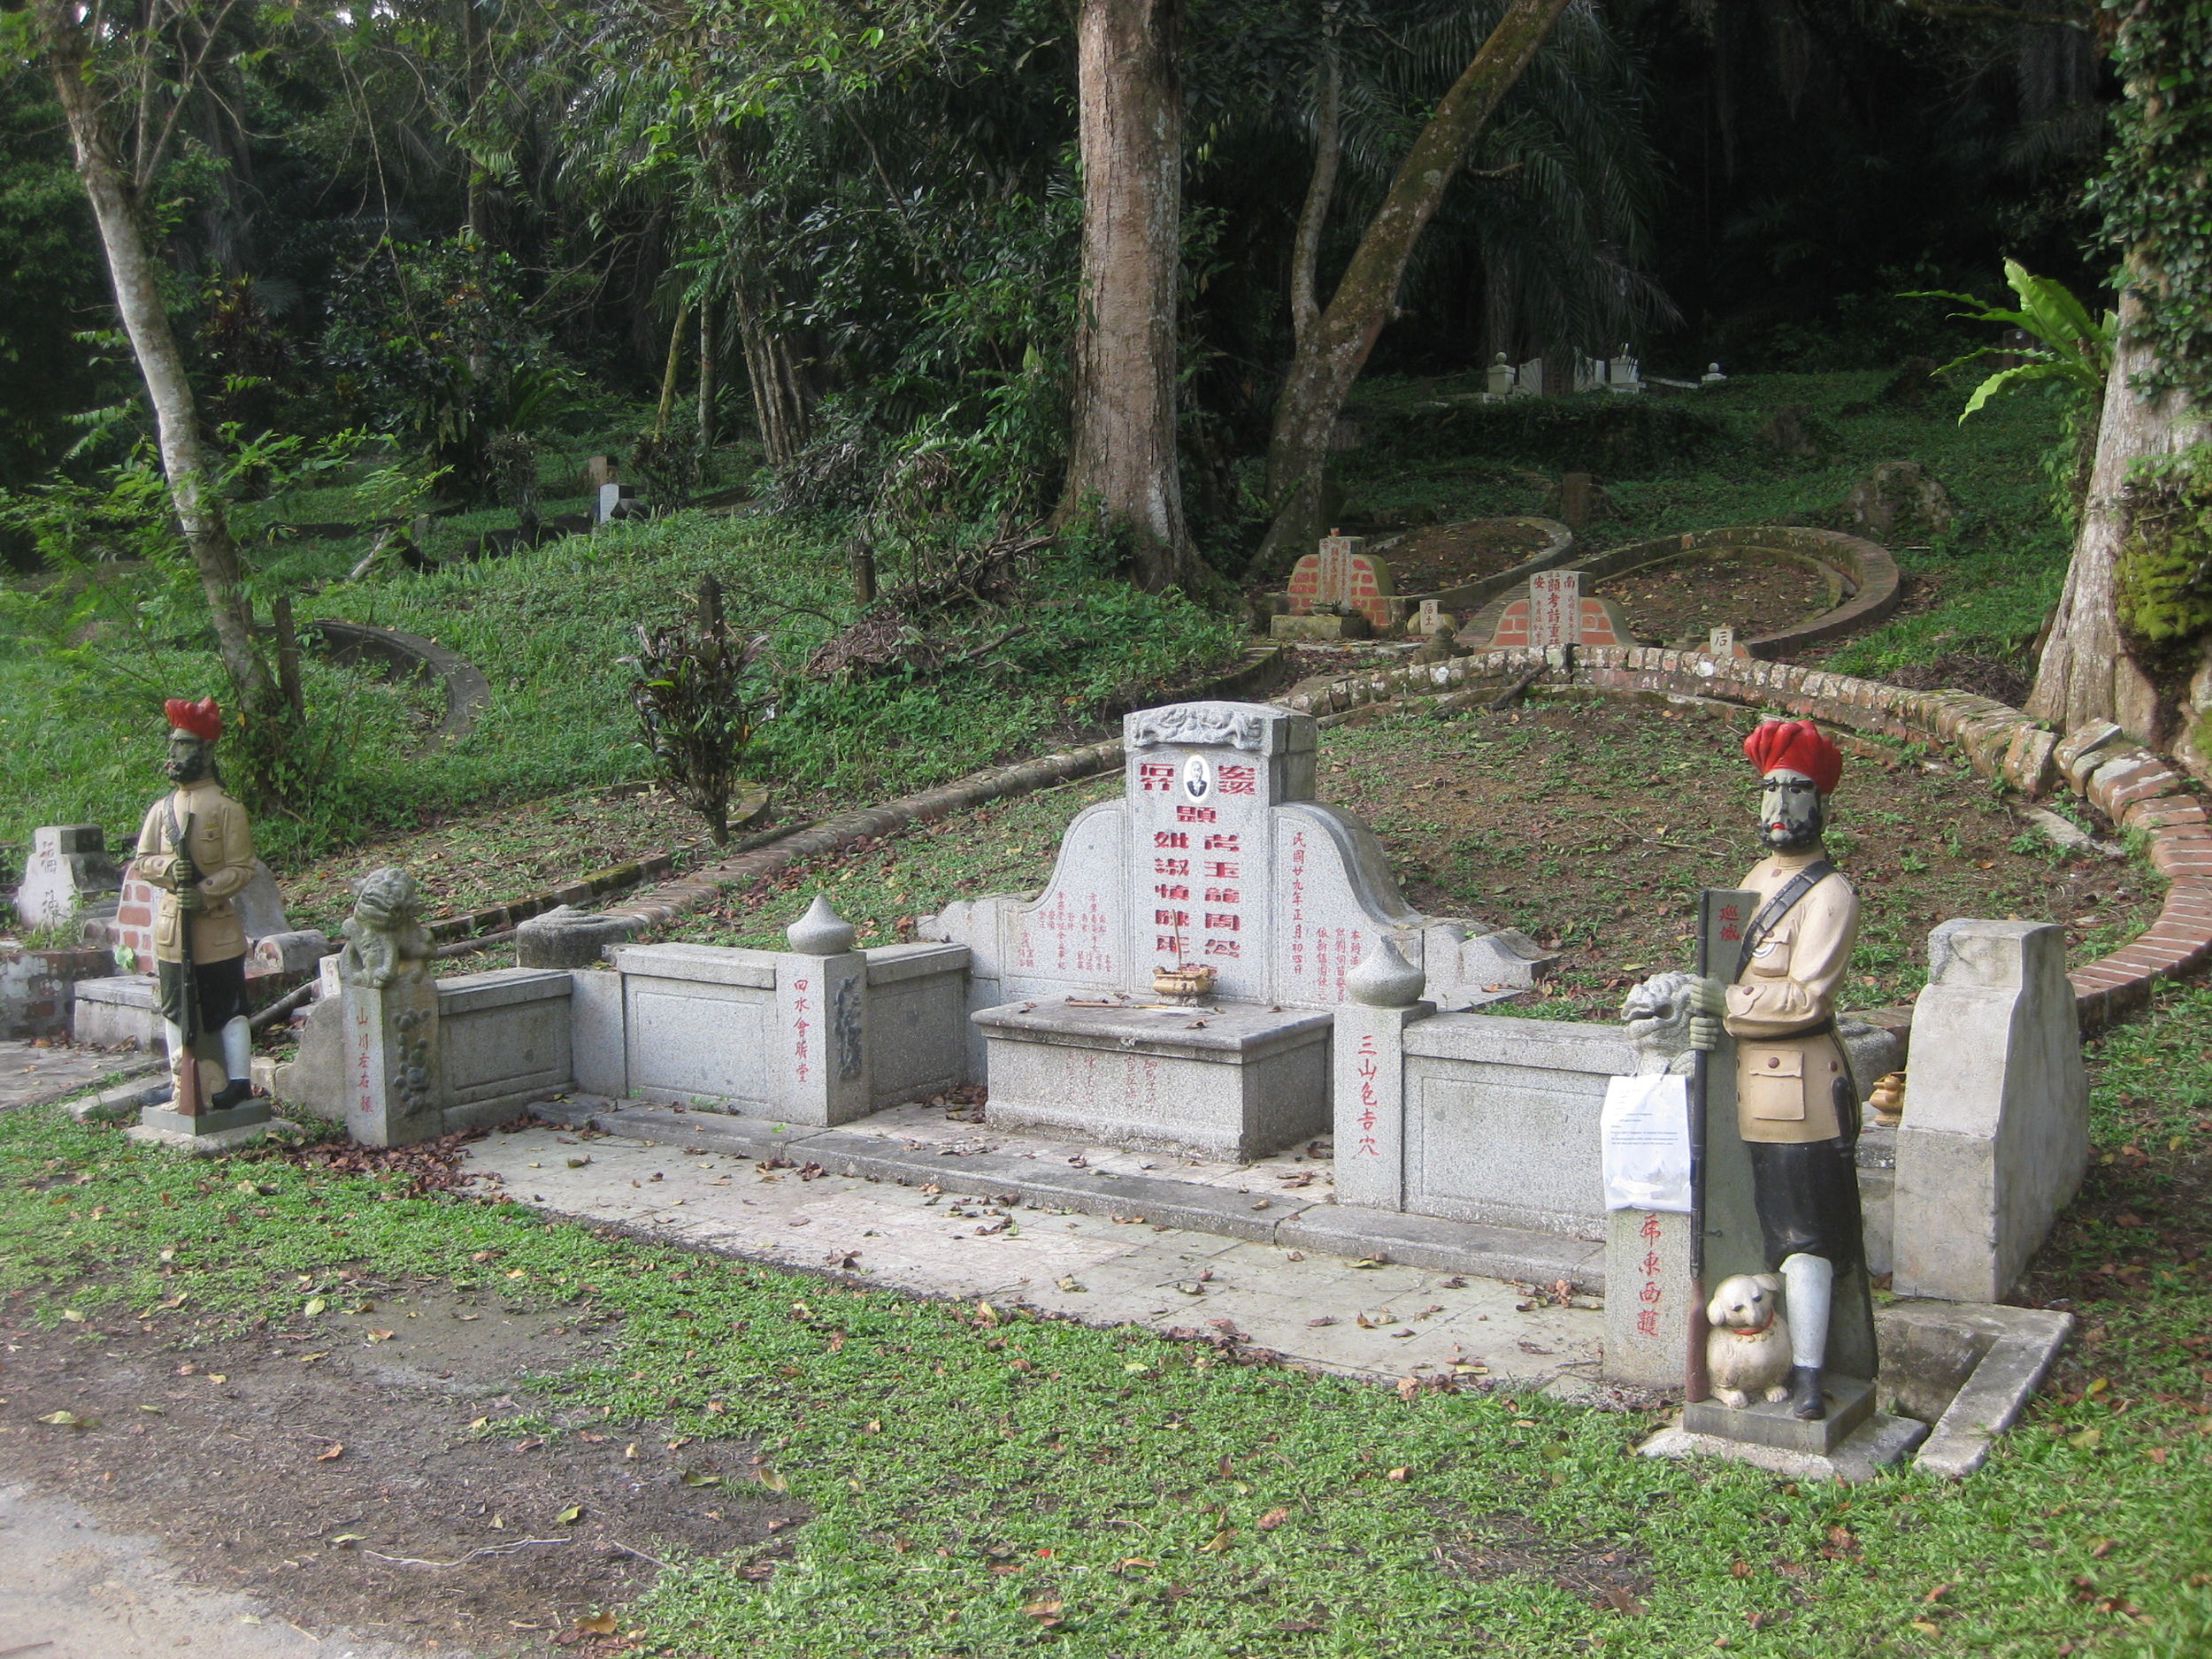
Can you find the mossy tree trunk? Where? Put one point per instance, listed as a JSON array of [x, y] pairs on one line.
[[1333, 351], [2086, 672], [1123, 456]]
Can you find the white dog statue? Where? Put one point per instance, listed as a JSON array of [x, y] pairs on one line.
[[1748, 1353]]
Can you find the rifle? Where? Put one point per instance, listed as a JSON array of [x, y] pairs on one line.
[[187, 1103]]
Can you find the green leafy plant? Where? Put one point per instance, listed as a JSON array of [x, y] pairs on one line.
[[691, 695], [2076, 349]]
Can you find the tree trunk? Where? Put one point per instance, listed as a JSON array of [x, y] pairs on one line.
[[1123, 454], [2086, 672], [706, 378], [1337, 348], [1328, 150], [117, 210], [476, 71], [779, 406], [675, 365]]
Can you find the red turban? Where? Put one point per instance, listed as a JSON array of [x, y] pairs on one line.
[[203, 718], [1797, 746]]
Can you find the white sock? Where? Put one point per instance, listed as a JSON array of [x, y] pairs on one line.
[[238, 1047], [174, 1033], [1810, 1280]]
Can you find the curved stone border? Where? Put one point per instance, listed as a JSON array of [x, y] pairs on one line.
[[2131, 786], [467, 693], [1867, 568], [1483, 588]]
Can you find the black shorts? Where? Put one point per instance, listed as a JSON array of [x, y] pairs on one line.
[[221, 986], [1808, 1196]]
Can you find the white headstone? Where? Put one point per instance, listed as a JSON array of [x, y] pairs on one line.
[[1623, 374], [1712, 376], [1528, 380], [1721, 642], [1554, 608], [68, 867], [1431, 617], [1498, 380]]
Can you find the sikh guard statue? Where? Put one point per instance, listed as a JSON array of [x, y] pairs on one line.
[[1796, 1103], [196, 847]]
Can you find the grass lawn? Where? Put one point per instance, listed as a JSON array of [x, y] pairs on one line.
[[80, 742], [982, 1483]]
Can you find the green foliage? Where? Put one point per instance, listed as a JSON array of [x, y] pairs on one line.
[[1618, 437], [2164, 579], [2153, 190], [691, 697], [2076, 352], [434, 342]]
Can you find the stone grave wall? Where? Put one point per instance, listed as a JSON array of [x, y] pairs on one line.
[[1340, 573]]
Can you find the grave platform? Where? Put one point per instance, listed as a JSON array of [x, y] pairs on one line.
[[1850, 1401], [1234, 1080]]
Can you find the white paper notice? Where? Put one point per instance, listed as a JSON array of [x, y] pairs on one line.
[[1645, 1131]]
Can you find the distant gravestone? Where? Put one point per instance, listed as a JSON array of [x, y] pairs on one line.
[[1554, 608], [1431, 618], [1528, 380], [1578, 502], [68, 868], [1497, 381], [1339, 574], [599, 471], [1721, 642]]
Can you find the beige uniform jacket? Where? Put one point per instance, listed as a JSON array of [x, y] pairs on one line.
[[1784, 1084], [222, 849]]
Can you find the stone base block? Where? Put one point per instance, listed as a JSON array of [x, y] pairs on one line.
[[1850, 1403], [211, 1143], [1235, 1081], [1317, 627], [117, 1009], [1874, 1446]]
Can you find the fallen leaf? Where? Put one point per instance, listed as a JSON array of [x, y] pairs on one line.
[[309, 1359], [1400, 1473], [2097, 1387], [1927, 1627], [1327, 1318], [1218, 1542], [70, 1420], [1046, 1613], [769, 1479], [156, 1410], [697, 1479], [337, 1449], [217, 1377], [570, 1514], [1942, 1590], [598, 1625], [986, 1314], [1273, 1519], [344, 1540], [72, 1316], [577, 1163], [479, 1422], [2088, 1439], [315, 1305], [1137, 1367], [2098, 1551]]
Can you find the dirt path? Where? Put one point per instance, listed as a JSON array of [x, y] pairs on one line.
[[72, 1589], [393, 1477]]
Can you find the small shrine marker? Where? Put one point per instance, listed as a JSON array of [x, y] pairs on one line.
[[1554, 608]]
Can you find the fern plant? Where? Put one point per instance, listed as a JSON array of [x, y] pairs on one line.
[[2076, 349]]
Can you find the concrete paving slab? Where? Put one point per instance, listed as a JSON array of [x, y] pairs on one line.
[[35, 1074], [1306, 1305]]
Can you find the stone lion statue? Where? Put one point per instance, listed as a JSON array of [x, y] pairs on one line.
[[384, 937], [1657, 1012]]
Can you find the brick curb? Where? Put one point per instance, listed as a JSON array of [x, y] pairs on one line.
[[2135, 787]]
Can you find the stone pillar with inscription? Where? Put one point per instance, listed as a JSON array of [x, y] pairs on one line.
[[1369, 1086], [389, 1016], [1554, 608], [821, 1015]]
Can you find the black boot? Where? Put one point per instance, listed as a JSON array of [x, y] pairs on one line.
[[1805, 1402], [237, 1092]]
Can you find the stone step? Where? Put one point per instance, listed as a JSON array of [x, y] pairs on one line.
[[1352, 1230]]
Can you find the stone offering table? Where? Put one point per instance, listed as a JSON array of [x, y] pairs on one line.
[[1236, 1082]]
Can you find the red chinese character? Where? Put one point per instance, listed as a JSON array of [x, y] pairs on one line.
[[1652, 1263], [1170, 890], [1172, 839], [1223, 896], [1171, 918], [1238, 781], [1650, 1292], [1220, 872], [1227, 921], [1221, 947], [1732, 934], [1731, 913], [1170, 866], [1222, 844], [1167, 944], [1156, 775], [1369, 1150], [1650, 1229], [1646, 1322], [1193, 815]]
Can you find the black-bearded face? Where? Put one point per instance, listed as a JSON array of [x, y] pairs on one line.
[[188, 759], [1791, 814]]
